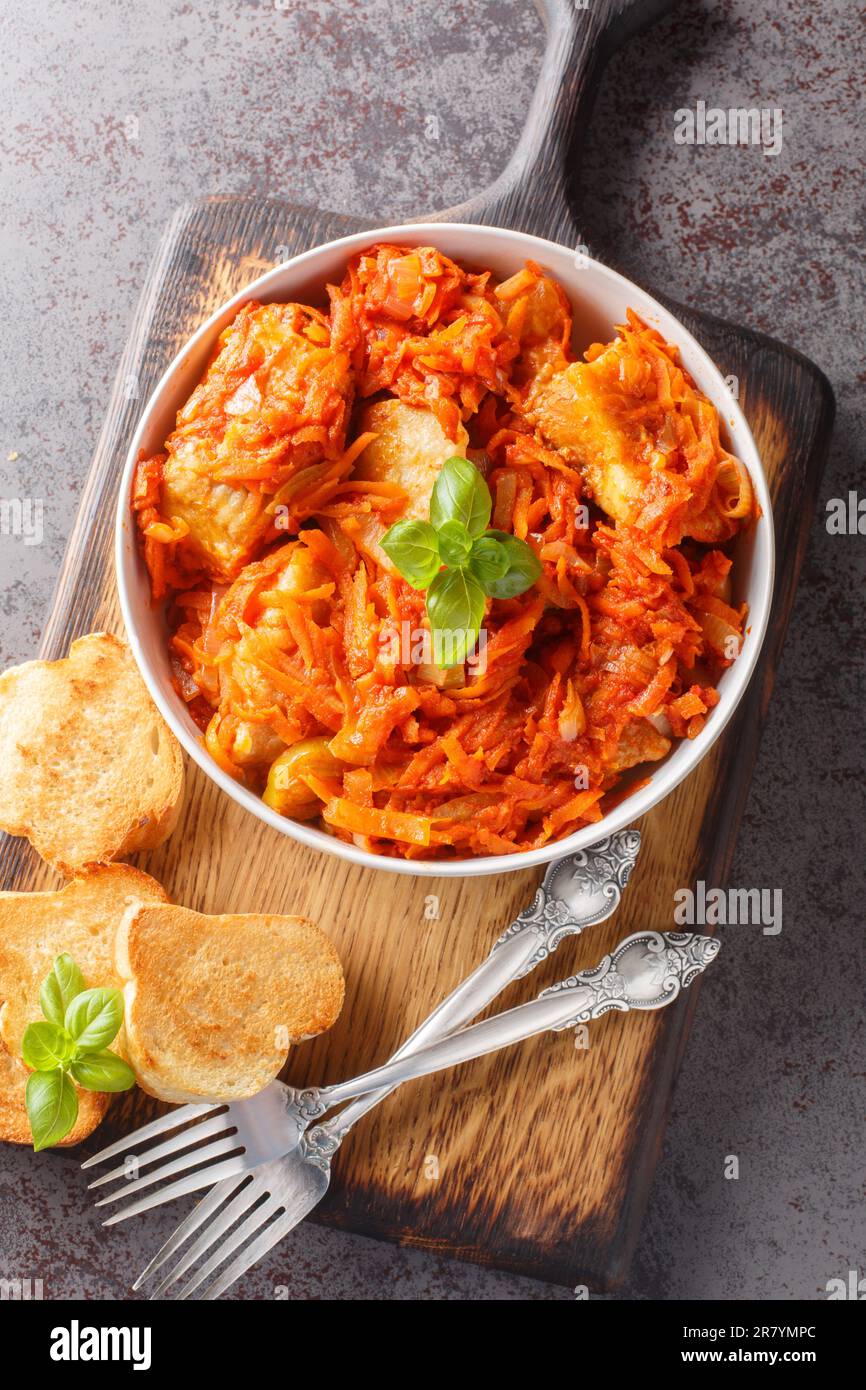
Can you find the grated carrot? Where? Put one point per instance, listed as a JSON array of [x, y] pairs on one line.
[[296, 639]]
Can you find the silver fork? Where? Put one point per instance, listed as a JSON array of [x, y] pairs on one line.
[[578, 891], [646, 971]]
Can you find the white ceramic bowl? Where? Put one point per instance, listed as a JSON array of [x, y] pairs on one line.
[[599, 298]]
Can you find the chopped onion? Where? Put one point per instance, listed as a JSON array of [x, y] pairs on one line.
[[661, 723]]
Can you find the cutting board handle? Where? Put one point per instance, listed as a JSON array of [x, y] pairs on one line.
[[533, 192]]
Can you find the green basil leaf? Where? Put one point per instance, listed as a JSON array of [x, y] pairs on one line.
[[44, 1046], [60, 988], [103, 1071], [455, 543], [52, 1107], [524, 567], [488, 560], [93, 1019], [413, 547], [461, 494], [455, 607]]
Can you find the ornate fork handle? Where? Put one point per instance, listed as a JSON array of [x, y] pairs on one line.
[[646, 971], [593, 879]]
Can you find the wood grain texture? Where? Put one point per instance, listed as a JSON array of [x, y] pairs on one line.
[[536, 190], [538, 1160]]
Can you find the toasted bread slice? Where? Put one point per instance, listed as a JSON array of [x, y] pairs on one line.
[[213, 1003], [81, 918], [91, 771]]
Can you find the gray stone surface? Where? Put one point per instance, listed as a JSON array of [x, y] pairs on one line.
[[115, 112]]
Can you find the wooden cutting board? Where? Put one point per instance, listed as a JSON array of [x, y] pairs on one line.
[[538, 1160]]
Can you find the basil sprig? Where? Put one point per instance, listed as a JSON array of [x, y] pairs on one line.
[[70, 1046], [458, 560]]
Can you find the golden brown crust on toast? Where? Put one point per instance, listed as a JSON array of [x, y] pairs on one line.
[[213, 1003], [91, 770]]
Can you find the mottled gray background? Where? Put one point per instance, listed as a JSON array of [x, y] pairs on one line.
[[116, 111]]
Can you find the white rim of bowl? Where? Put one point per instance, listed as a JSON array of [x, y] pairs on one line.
[[633, 807]]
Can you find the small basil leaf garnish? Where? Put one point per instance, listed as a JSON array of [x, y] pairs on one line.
[[488, 560], [460, 494], [70, 1046], [52, 1107], [413, 547], [102, 1071], [477, 563], [455, 543], [455, 607], [59, 988], [44, 1046], [524, 568], [93, 1019]]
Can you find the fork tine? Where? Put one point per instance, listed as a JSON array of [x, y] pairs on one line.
[[180, 1116], [244, 1199], [220, 1148], [205, 1130], [229, 1168], [256, 1219], [200, 1213], [269, 1237]]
